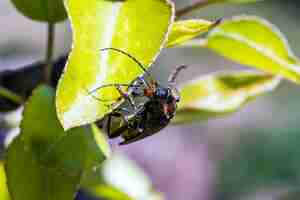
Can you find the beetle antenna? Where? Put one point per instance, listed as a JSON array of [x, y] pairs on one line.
[[94, 97], [104, 86], [129, 56], [107, 85], [174, 74]]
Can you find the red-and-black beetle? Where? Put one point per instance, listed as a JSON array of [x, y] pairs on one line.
[[143, 109]]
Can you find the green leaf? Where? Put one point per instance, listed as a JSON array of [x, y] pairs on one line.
[[42, 10], [242, 1], [4, 195], [120, 178], [48, 158], [254, 42], [29, 180], [109, 192], [184, 30], [214, 95], [126, 25]]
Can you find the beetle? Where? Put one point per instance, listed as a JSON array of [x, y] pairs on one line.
[[144, 109]]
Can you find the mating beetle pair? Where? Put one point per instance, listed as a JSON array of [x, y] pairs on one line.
[[143, 109]]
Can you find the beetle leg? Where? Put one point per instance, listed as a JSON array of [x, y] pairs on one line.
[[125, 96], [133, 139], [108, 127], [121, 129], [144, 81], [118, 131]]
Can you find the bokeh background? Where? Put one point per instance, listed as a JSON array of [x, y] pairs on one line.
[[252, 154]]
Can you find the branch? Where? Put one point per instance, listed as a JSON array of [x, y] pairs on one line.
[[49, 53], [198, 4], [11, 95]]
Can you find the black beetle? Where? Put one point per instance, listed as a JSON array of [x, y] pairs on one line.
[[144, 109]]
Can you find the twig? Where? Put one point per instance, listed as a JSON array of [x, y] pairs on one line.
[[49, 53], [194, 6], [6, 93]]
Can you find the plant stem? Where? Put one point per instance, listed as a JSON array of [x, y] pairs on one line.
[[49, 53], [11, 95], [194, 6]]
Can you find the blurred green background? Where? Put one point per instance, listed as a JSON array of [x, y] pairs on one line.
[[252, 154]]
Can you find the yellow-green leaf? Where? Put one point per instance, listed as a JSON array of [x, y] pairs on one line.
[[46, 156], [120, 178], [254, 42], [184, 30], [42, 10], [137, 27], [4, 195], [214, 95]]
